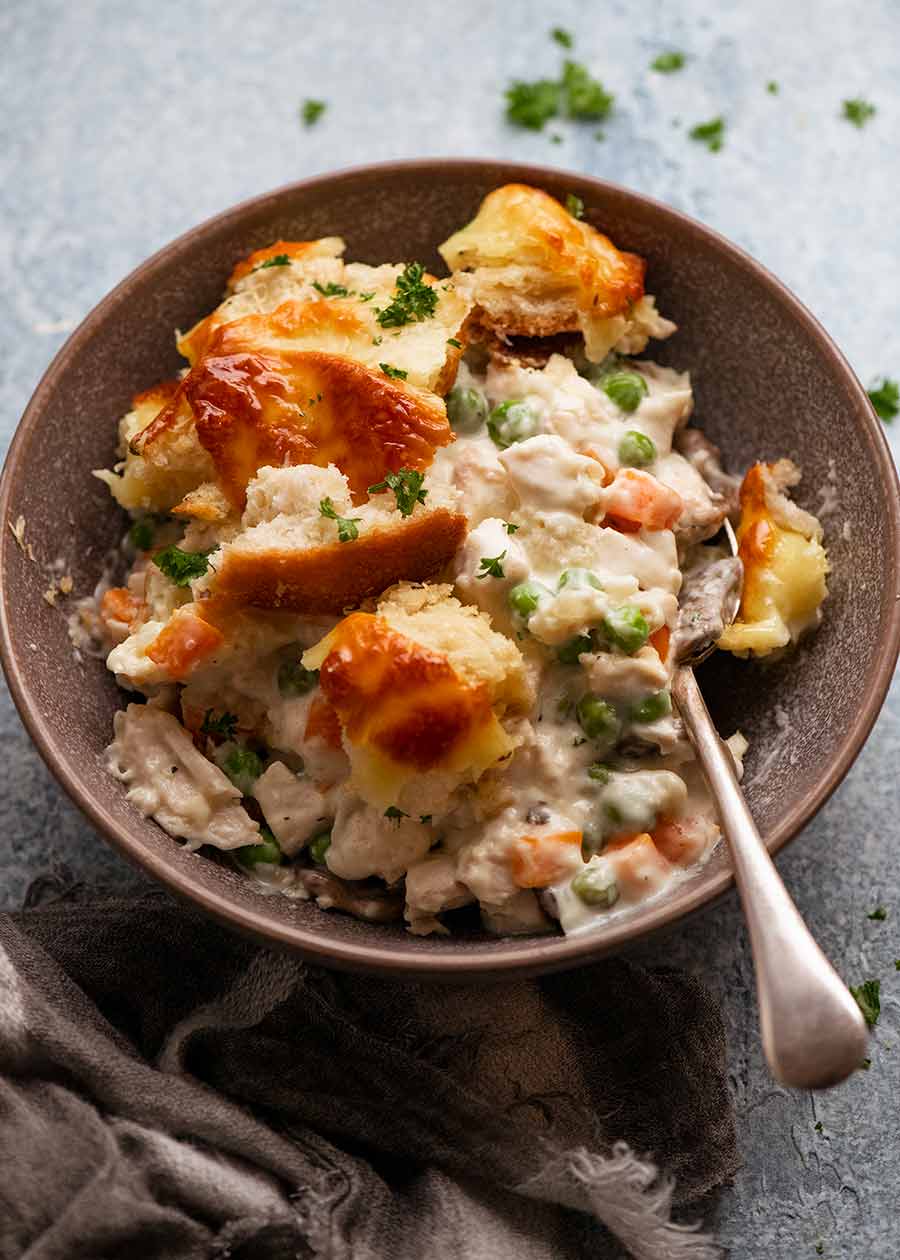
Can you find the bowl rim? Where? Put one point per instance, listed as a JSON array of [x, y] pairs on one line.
[[518, 955]]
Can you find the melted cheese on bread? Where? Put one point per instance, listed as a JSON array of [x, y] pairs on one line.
[[416, 686], [534, 270], [785, 565]]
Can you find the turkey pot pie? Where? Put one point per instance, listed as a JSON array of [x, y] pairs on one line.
[[401, 608]]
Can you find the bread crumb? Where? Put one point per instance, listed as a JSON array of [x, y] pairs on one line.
[[66, 584], [18, 532]]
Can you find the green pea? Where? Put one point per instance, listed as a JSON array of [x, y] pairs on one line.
[[595, 887], [598, 772], [243, 767], [568, 653], [141, 534], [636, 449], [578, 579], [294, 680], [652, 708], [626, 628], [267, 850], [597, 718], [513, 421], [467, 409], [626, 389], [524, 598], [319, 846]]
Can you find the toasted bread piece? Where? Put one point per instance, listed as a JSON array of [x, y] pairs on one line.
[[317, 301], [208, 503], [785, 564], [410, 713], [533, 270], [155, 485], [289, 555]]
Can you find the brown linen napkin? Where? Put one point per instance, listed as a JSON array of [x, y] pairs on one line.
[[171, 1090]]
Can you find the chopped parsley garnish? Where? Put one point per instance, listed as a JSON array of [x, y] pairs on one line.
[[530, 105], [562, 37], [331, 289], [181, 567], [818, 1126], [668, 62], [897, 964], [311, 111], [396, 814], [376, 341], [366, 297], [865, 1065], [885, 398], [509, 527], [556, 138], [575, 206], [868, 999], [225, 725], [141, 534], [879, 914], [425, 818], [346, 526], [772, 87], [584, 96], [451, 341], [278, 260], [711, 133], [858, 111], [406, 484], [414, 300], [395, 373], [491, 567]]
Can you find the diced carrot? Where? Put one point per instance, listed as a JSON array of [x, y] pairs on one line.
[[183, 643], [680, 842], [637, 497], [118, 604], [322, 720], [659, 640], [541, 860], [639, 866]]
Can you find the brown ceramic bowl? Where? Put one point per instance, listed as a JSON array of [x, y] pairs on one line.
[[768, 382]]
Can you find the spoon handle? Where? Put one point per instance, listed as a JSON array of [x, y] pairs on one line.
[[813, 1032]]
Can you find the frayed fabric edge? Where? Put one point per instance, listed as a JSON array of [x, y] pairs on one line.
[[628, 1196]]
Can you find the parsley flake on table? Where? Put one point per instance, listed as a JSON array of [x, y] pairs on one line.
[[181, 567], [879, 914], [394, 813], [414, 300], [331, 289], [885, 398], [451, 341], [406, 484], [509, 527], [346, 525], [858, 111], [868, 999], [772, 87], [225, 724], [818, 1126], [395, 373], [575, 206], [491, 567], [311, 111], [530, 105], [711, 133], [668, 62], [279, 260], [585, 97], [562, 37]]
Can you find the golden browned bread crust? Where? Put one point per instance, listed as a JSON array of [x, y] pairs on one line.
[[331, 578]]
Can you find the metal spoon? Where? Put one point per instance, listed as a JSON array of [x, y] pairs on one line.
[[813, 1032]]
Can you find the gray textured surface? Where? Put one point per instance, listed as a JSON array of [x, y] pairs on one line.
[[121, 128]]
